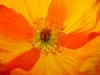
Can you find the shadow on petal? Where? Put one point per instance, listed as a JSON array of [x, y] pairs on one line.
[[13, 24], [25, 61], [57, 11], [77, 40]]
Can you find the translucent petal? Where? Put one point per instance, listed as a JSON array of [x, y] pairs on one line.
[[31, 9], [77, 40], [14, 25], [24, 61], [68, 62], [57, 11], [82, 16]]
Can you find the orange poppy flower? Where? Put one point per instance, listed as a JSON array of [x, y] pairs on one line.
[[45, 37]]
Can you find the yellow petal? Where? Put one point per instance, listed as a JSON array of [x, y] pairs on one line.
[[91, 63], [31, 9], [9, 49], [82, 15], [67, 62]]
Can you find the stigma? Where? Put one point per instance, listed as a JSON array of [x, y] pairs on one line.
[[45, 35]]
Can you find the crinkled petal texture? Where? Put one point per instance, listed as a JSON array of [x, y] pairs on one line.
[[15, 50], [92, 65], [68, 62], [57, 11], [25, 61], [82, 21], [13, 25], [77, 40], [79, 44], [31, 9]]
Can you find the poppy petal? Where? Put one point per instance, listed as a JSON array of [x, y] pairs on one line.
[[77, 40], [3, 72], [57, 11], [68, 62], [13, 24], [24, 61], [82, 15], [92, 64], [31, 9], [9, 48]]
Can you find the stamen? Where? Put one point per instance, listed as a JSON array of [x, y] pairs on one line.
[[47, 38]]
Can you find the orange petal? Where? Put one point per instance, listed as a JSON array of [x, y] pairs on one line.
[[77, 40], [3, 72], [31, 9], [68, 62], [13, 24], [97, 1], [57, 11], [98, 17], [82, 15], [24, 61]]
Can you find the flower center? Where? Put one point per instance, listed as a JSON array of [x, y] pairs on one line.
[[45, 35]]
